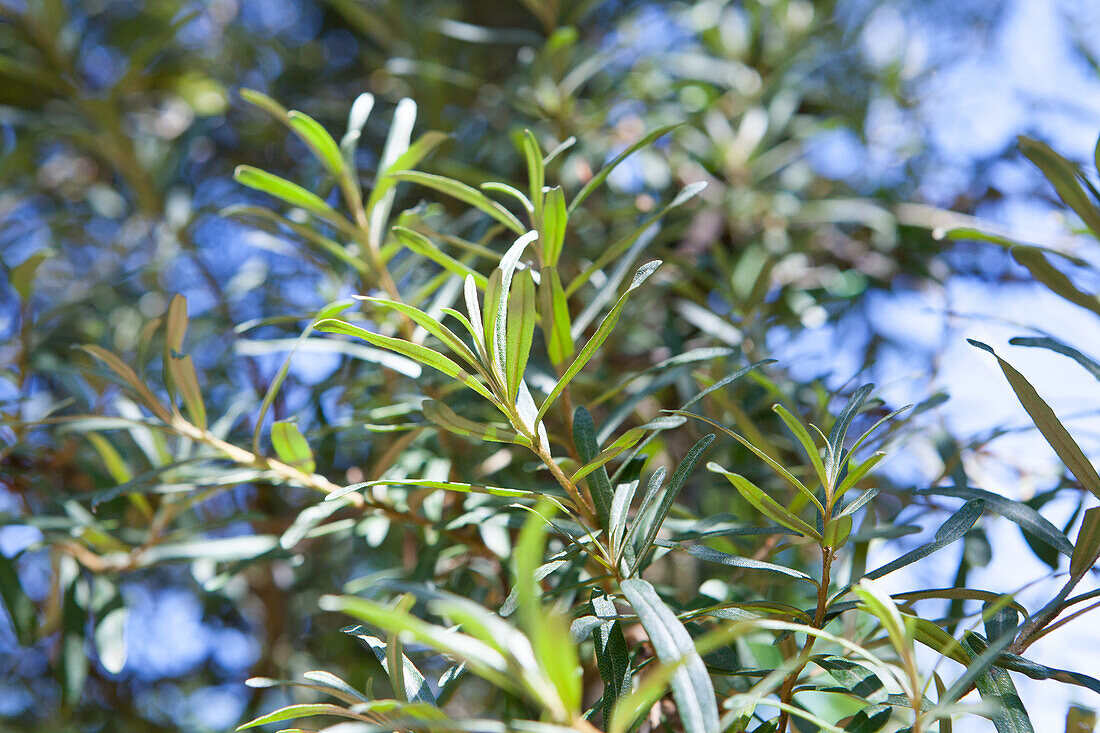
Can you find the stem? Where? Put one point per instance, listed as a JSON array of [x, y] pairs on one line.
[[786, 692]]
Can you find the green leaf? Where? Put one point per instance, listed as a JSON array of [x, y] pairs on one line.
[[995, 686], [662, 508], [691, 685], [835, 451], [536, 173], [463, 488], [110, 640], [612, 654], [600, 177], [621, 444], [22, 275], [766, 505], [1046, 342], [143, 393], [803, 435], [554, 221], [416, 686], [597, 338], [483, 659], [1054, 279], [870, 719], [186, 380], [855, 678], [1049, 425], [498, 301], [329, 311], [954, 529], [775, 465], [432, 326], [465, 194], [357, 119], [291, 446], [548, 631], [504, 188], [416, 352], [424, 146], [556, 323], [1087, 547], [424, 247], [709, 554], [304, 710], [599, 485], [1017, 512], [1066, 179], [288, 192], [858, 472], [520, 331], [19, 607], [627, 243], [320, 142], [447, 419]]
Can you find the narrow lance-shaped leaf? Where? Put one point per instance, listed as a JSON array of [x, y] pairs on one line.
[[520, 331], [320, 142], [447, 419], [1066, 179], [597, 338], [612, 655], [397, 144], [556, 323], [799, 431], [144, 394], [416, 352], [288, 192], [1017, 512], [431, 325], [1049, 425], [416, 686], [604, 172], [599, 485], [291, 446], [1045, 342], [465, 194], [536, 171], [357, 119], [554, 221], [679, 476], [424, 247], [1087, 547], [840, 431], [691, 685], [508, 264], [1054, 279], [995, 686], [956, 526], [766, 505]]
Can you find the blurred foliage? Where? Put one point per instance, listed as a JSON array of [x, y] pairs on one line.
[[170, 471]]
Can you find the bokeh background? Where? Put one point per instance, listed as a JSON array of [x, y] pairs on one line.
[[834, 136]]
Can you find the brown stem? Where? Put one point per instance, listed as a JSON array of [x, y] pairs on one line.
[[786, 692]]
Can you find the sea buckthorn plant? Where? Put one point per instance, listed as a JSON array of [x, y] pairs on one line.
[[550, 600], [531, 466]]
